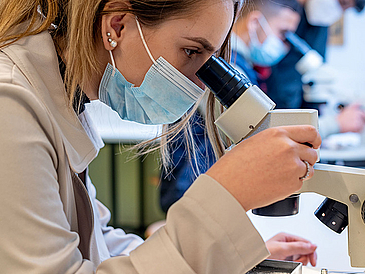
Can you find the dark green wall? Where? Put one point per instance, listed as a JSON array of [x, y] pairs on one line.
[[134, 178]]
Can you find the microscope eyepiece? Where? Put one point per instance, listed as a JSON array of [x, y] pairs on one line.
[[223, 80]]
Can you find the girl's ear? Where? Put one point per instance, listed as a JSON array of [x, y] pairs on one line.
[[113, 25]]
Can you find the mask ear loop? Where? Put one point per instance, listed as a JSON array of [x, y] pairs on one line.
[[253, 37], [113, 62], [265, 25], [144, 41]]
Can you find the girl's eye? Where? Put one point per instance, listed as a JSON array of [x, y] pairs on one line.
[[190, 52]]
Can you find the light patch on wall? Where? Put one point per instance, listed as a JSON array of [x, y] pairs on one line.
[[336, 33]]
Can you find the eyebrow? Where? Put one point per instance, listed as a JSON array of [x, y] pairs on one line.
[[204, 42]]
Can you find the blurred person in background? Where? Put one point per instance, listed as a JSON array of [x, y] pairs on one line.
[[258, 38], [284, 83]]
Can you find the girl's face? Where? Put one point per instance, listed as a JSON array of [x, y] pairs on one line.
[[186, 43]]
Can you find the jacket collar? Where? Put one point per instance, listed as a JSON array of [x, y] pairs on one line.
[[36, 57]]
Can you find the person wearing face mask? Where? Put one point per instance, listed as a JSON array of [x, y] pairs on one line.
[[284, 85], [139, 58], [258, 35]]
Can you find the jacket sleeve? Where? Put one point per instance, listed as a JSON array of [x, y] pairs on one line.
[[207, 231], [35, 232]]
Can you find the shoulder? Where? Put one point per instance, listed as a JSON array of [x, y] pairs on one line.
[[6, 68], [19, 103], [10, 73], [11, 79], [14, 84], [30, 77]]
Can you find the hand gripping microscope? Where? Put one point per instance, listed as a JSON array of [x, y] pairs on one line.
[[249, 111]]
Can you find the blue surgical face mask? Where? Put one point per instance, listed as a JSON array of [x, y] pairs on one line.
[[271, 51], [163, 97]]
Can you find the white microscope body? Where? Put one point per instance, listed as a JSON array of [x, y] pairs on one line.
[[318, 78], [249, 111], [253, 112]]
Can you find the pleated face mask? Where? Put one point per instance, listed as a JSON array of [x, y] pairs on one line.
[[271, 51], [163, 97]]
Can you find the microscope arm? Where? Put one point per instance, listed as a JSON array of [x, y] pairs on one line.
[[345, 185]]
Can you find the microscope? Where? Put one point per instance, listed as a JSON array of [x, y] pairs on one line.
[[249, 111], [318, 78]]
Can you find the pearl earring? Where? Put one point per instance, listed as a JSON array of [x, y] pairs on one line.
[[112, 42]]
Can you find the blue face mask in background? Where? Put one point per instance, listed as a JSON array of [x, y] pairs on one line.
[[271, 51], [163, 97]]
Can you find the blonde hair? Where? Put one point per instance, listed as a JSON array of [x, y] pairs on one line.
[[78, 28]]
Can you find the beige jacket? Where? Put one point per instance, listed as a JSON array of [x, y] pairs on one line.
[[50, 223]]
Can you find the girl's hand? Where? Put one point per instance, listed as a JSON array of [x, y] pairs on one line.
[[288, 247], [267, 167]]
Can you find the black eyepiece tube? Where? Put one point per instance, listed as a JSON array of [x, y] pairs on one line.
[[224, 81], [298, 43]]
